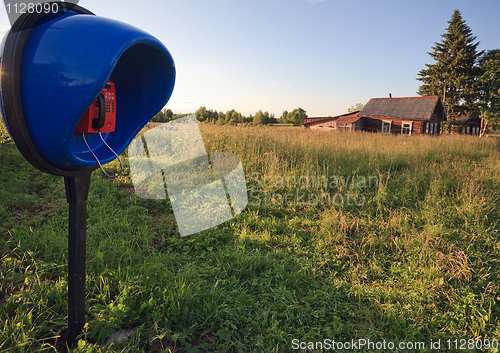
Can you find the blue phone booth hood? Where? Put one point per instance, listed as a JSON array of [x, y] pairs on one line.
[[66, 61]]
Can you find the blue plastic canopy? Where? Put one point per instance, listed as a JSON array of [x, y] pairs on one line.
[[55, 65]]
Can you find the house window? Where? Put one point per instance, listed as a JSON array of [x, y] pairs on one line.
[[386, 127], [431, 128], [343, 126], [406, 129], [467, 131]]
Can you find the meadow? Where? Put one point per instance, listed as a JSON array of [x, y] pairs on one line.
[[347, 237]]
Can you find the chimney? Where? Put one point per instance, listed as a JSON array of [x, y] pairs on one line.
[[390, 95]]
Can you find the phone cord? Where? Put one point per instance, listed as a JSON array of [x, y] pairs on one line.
[[97, 159]]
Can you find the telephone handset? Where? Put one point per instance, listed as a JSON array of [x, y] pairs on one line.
[[98, 123], [101, 115]]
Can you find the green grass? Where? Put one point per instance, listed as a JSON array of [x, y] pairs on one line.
[[417, 260]]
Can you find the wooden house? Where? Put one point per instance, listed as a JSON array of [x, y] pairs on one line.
[[406, 115], [466, 125], [349, 122]]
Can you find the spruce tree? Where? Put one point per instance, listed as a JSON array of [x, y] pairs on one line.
[[454, 75]]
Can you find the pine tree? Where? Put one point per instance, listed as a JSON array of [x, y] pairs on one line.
[[454, 75]]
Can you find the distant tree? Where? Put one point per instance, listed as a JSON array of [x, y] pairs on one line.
[[228, 115], [201, 114], [261, 118], [209, 115], [283, 117], [489, 89], [258, 118], [267, 118], [159, 117], [356, 107], [236, 117], [296, 117], [213, 115], [166, 115], [454, 75], [169, 115]]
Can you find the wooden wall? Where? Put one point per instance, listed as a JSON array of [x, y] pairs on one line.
[[370, 124], [322, 125], [375, 125]]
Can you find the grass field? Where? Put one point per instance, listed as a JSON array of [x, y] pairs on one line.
[[346, 237]]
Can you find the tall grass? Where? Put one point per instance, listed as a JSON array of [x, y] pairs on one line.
[[416, 260], [294, 150]]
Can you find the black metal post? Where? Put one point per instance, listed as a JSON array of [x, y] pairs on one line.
[[77, 190]]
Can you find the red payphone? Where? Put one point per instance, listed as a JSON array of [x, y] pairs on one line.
[[101, 115], [100, 118]]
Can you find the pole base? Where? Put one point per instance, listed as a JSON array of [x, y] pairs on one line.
[[77, 190]]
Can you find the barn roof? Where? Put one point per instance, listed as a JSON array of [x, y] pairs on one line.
[[351, 118], [412, 108], [314, 120], [317, 118]]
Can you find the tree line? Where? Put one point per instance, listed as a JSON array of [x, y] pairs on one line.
[[232, 117], [466, 80]]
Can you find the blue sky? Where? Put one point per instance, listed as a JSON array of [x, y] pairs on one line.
[[274, 55]]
